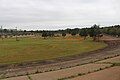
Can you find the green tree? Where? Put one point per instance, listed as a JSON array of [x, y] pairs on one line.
[[63, 34], [118, 32], [83, 33], [73, 33], [44, 34], [94, 32], [50, 34]]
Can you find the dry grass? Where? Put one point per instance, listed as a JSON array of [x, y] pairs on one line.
[[29, 49]]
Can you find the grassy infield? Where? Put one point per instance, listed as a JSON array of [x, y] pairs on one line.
[[31, 49]]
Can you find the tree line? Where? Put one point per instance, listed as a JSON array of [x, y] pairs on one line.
[[94, 31], [13, 32]]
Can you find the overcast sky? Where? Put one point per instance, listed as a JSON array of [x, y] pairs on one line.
[[58, 14]]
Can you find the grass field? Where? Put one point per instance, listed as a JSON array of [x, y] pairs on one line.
[[32, 49]]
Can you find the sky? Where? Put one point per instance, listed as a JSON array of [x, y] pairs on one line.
[[58, 14]]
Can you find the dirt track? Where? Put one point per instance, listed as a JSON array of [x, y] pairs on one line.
[[108, 74], [54, 75], [111, 50], [18, 78], [112, 60]]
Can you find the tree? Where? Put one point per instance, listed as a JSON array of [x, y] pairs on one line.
[[64, 34], [118, 32], [112, 30], [50, 34], [68, 30], [83, 33], [94, 32], [73, 33], [44, 34], [5, 30]]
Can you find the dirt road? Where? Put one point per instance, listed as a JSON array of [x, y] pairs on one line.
[[54, 75], [108, 74]]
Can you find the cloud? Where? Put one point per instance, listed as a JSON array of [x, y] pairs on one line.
[[58, 12]]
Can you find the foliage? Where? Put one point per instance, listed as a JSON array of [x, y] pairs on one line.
[[93, 31], [44, 34], [83, 33], [63, 34], [73, 33]]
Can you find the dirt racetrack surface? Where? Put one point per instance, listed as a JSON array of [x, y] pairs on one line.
[[18, 78], [54, 75], [108, 74], [112, 60]]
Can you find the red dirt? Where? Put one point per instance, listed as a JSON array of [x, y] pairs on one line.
[[74, 43], [107, 37], [68, 38], [35, 36]]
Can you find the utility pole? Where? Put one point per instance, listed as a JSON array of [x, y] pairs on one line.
[[16, 35], [2, 32]]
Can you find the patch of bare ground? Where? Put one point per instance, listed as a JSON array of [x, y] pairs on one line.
[[111, 60], [107, 37], [18, 78], [68, 39], [112, 73], [54, 75]]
